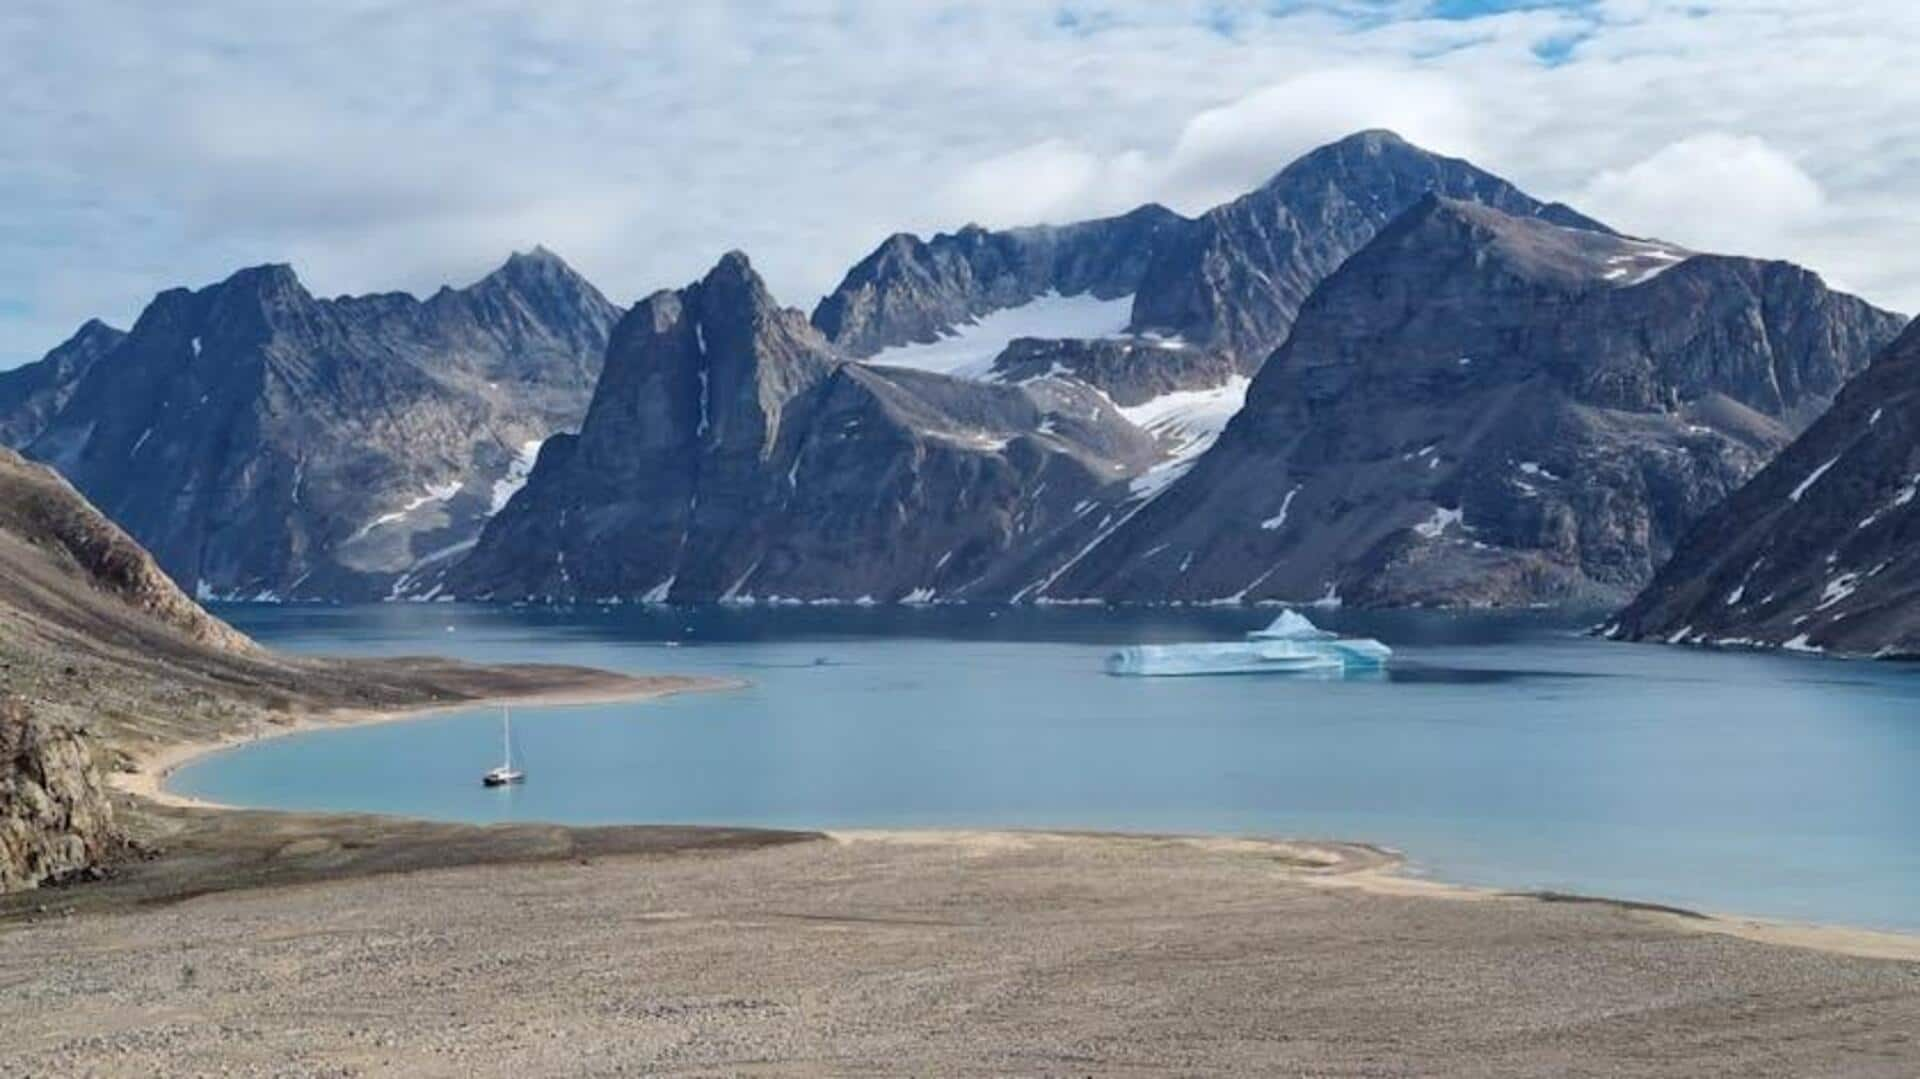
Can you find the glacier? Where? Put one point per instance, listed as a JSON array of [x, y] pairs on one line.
[[1291, 645]]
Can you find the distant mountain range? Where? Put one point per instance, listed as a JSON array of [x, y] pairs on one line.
[[1385, 377], [266, 444]]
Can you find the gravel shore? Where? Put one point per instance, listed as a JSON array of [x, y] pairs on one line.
[[983, 953]]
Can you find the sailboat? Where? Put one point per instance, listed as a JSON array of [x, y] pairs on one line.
[[505, 774]]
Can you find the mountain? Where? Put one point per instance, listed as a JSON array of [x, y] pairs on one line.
[[909, 290], [31, 396], [1480, 408], [732, 452], [265, 443], [1818, 551], [1229, 281], [1236, 278]]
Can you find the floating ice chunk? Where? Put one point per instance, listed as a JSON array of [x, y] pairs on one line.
[[1291, 645]]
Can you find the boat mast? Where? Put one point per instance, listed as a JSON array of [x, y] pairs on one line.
[[506, 737]]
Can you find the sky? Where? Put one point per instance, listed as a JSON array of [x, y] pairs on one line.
[[381, 145]]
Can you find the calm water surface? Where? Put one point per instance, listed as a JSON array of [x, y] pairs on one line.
[[1501, 750]]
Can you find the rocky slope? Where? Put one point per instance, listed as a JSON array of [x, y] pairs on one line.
[[1821, 550], [731, 452], [31, 396], [1481, 408], [262, 442], [56, 820]]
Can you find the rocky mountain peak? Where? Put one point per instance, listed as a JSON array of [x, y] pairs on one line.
[[260, 441], [733, 280], [1237, 278]]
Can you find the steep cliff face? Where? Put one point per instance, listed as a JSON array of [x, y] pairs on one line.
[[56, 820], [265, 443], [732, 453], [1484, 409], [1821, 550], [909, 290], [1235, 279], [31, 396]]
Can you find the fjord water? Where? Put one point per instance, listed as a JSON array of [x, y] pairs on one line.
[[1502, 750]]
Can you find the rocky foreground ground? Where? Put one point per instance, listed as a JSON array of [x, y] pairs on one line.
[[915, 954]]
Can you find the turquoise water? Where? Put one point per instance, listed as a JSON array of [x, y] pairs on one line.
[[1501, 750]]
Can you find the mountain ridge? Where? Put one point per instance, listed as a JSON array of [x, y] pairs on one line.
[[265, 442]]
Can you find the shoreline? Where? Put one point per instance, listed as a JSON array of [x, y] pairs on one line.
[[1372, 869], [155, 764], [1331, 864]]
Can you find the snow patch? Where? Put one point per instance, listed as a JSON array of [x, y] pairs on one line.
[[1274, 522], [518, 470], [1794, 495], [436, 493], [1837, 589], [968, 350], [1442, 518], [1643, 262], [1801, 644], [702, 432], [1189, 420]]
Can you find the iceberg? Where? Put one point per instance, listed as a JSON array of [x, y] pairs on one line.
[[1290, 645]]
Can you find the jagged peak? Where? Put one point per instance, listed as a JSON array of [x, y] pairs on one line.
[[94, 327], [734, 277], [266, 278], [536, 266]]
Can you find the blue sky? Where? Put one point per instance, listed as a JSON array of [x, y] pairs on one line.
[[383, 144]]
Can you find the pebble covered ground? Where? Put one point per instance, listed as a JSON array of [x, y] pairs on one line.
[[981, 954]]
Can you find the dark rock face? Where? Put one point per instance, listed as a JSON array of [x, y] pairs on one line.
[[1236, 278], [31, 396], [1821, 550], [731, 453], [56, 819], [1130, 371], [910, 290], [265, 443], [1484, 409]]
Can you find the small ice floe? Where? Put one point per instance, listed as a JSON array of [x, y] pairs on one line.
[[1291, 645]]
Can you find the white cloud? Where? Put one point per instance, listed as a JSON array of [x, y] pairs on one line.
[[1219, 153], [404, 143], [1714, 192]]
